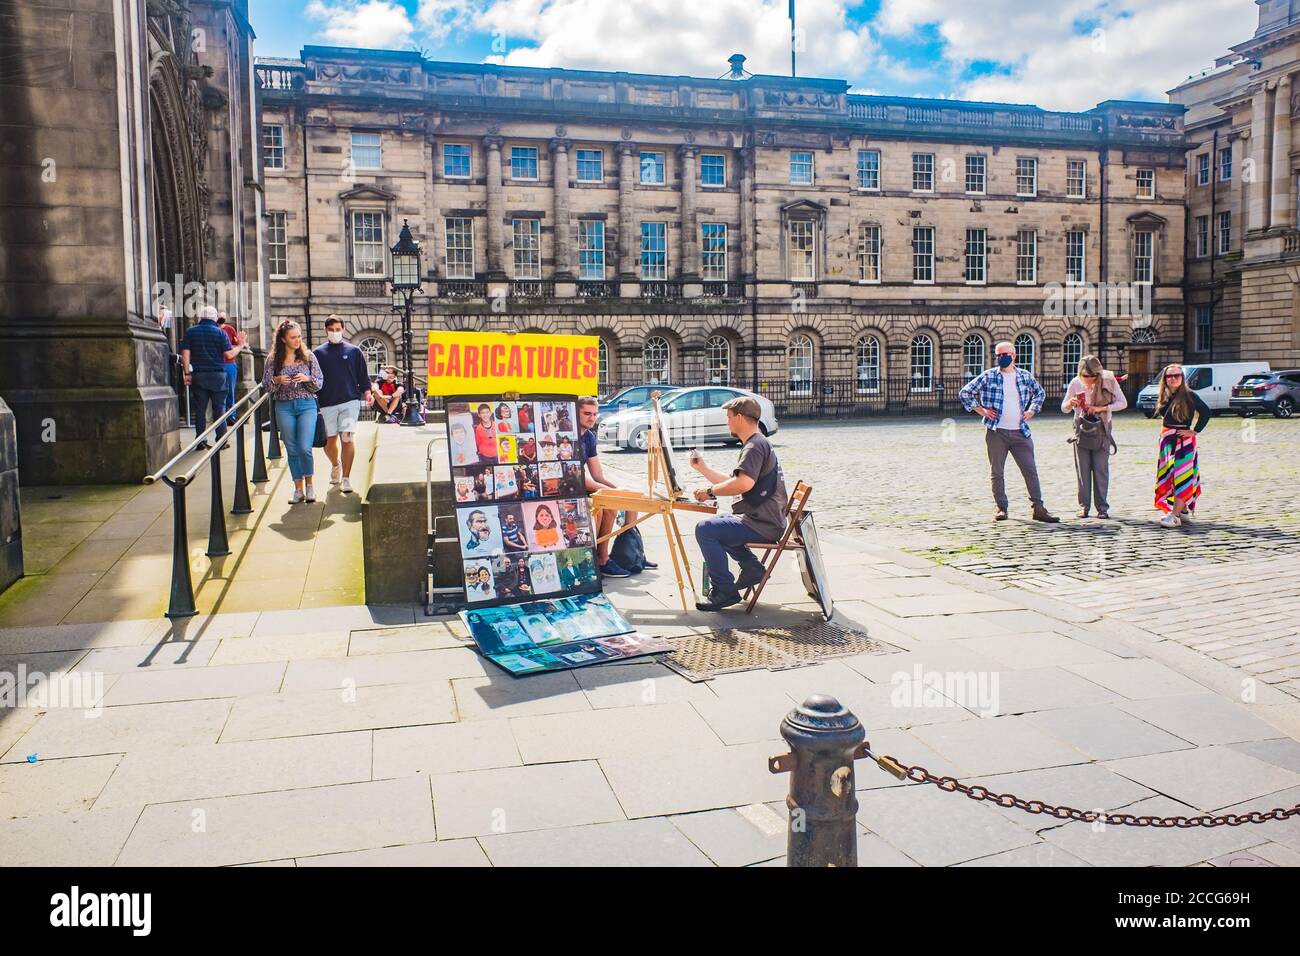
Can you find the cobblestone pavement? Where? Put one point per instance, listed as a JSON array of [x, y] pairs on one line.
[[1227, 584]]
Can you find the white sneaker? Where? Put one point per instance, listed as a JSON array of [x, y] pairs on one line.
[[309, 495], [1170, 521], [296, 497], [1186, 517], [346, 487], [335, 474]]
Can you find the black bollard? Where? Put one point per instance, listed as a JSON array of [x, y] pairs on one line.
[[259, 457], [181, 603], [273, 445], [824, 739], [218, 544], [241, 505]]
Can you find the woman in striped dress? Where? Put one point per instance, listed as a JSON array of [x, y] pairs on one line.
[[1178, 476]]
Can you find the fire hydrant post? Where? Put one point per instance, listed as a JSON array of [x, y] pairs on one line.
[[823, 737]]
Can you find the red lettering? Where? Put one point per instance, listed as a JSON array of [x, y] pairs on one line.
[[453, 361], [471, 362], [436, 369], [545, 359], [531, 352], [591, 363], [515, 367], [498, 361], [561, 363]]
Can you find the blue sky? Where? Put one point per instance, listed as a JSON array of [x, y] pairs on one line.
[[1063, 54]]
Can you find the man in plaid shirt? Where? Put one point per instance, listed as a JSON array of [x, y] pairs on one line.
[[1007, 397]]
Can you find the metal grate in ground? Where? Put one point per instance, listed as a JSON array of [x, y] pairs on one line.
[[698, 657]]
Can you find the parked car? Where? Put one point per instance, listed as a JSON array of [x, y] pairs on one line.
[[1212, 382], [1276, 392], [631, 397], [693, 416]]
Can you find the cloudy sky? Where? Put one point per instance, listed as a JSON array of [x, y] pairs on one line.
[[1061, 54]]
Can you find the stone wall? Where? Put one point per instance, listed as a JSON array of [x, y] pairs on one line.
[[11, 530]]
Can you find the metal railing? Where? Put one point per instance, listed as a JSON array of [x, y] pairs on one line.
[[597, 289], [532, 289], [661, 290], [181, 603]]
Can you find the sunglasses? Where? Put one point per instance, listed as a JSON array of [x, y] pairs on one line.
[[1172, 376]]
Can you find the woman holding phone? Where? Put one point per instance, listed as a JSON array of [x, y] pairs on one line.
[[1178, 474], [1093, 395], [293, 377]]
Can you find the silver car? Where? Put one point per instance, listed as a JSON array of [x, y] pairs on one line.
[[693, 416]]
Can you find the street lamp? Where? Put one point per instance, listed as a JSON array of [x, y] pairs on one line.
[[406, 283]]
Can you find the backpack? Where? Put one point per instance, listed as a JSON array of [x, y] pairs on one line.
[[628, 551], [1092, 434]]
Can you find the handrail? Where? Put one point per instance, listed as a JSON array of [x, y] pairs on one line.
[[186, 478], [161, 475]]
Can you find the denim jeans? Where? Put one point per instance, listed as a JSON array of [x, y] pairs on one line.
[[206, 386], [232, 375], [296, 420], [726, 535]]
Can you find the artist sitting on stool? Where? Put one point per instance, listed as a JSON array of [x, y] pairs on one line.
[[757, 479]]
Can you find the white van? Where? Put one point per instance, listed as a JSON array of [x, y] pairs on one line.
[[1212, 382]]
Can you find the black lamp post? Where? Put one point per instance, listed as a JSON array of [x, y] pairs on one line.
[[406, 283]]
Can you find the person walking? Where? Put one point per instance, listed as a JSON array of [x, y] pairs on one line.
[[1183, 415], [293, 377], [205, 352], [346, 384], [1093, 395], [1007, 397], [758, 515]]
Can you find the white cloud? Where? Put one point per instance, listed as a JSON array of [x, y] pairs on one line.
[[438, 18], [378, 24]]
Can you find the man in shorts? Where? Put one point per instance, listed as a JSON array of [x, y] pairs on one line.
[[388, 395], [347, 383]]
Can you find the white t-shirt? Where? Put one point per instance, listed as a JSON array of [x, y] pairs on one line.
[[1010, 402]]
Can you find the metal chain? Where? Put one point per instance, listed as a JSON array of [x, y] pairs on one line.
[[1010, 800]]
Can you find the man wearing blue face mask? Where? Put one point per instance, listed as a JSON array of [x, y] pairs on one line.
[[1008, 397]]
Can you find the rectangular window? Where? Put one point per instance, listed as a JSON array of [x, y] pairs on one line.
[[923, 254], [591, 249], [1075, 244], [523, 162], [1203, 169], [459, 234], [1225, 164], [591, 166], [1204, 328], [976, 255], [923, 172], [801, 169], [1202, 236], [868, 169], [713, 251], [1027, 177], [869, 253], [976, 168], [277, 244], [1225, 233], [654, 251], [367, 151], [1146, 184], [1026, 257], [803, 250], [368, 244], [1076, 178], [455, 161], [1143, 249], [713, 170], [653, 169], [528, 248], [272, 146]]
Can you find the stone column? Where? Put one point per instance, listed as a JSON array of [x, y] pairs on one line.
[[563, 228], [748, 238], [495, 209], [629, 232], [690, 229], [1257, 194], [1281, 209]]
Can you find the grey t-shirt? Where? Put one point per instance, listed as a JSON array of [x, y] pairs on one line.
[[757, 457]]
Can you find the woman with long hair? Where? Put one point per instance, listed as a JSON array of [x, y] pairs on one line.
[[545, 532], [1178, 475], [293, 377], [1093, 395]]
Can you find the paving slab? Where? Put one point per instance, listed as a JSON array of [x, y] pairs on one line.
[[77, 839], [740, 836], [638, 684], [623, 731], [70, 733], [515, 799], [743, 719], [340, 710], [653, 842], [418, 637], [444, 748], [948, 604], [455, 853], [1035, 855], [1086, 786], [373, 669], [1202, 719], [1029, 650], [994, 745], [14, 723], [281, 647], [662, 784], [152, 658], [1047, 688], [497, 695], [195, 683], [1207, 778], [53, 786], [1282, 752], [1104, 732], [223, 831], [1137, 679]]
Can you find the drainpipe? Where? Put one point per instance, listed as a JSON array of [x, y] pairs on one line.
[[1214, 244], [1103, 274], [306, 209]]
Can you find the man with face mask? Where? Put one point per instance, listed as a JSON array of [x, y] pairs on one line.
[[347, 382], [1008, 397]]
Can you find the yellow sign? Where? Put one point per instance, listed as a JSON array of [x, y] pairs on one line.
[[493, 363]]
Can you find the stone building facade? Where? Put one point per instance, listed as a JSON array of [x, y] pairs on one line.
[[1243, 246], [773, 233], [130, 167]]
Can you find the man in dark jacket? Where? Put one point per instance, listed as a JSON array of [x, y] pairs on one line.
[[347, 382], [205, 352]]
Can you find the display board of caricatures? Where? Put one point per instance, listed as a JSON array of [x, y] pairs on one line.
[[811, 567]]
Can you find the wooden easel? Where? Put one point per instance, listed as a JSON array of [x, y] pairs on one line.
[[654, 502]]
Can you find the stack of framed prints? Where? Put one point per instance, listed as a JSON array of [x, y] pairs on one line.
[[521, 500], [556, 635]]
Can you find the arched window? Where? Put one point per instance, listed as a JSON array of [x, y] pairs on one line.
[[1144, 336], [799, 362], [1024, 344], [1071, 353], [375, 352], [717, 356], [602, 367], [922, 363], [868, 365], [972, 356], [657, 357]]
